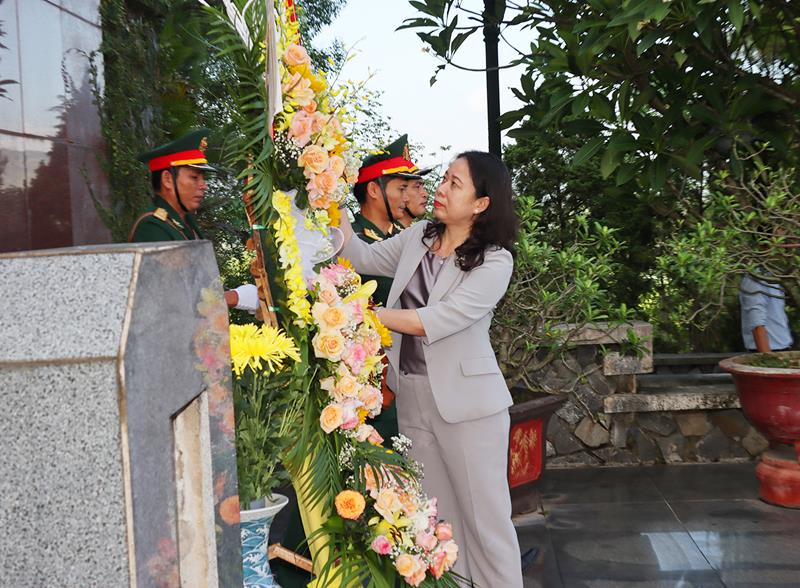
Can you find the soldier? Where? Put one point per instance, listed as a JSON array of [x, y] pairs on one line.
[[417, 206], [177, 174], [383, 180], [381, 193]]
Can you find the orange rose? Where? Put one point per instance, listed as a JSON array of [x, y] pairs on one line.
[[313, 159], [347, 387], [328, 345], [336, 165], [296, 55], [331, 418], [324, 183], [350, 504], [330, 317]]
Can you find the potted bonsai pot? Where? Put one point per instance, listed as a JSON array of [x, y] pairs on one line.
[[768, 385], [530, 415]]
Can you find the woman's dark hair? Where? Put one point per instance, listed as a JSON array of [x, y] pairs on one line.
[[494, 227]]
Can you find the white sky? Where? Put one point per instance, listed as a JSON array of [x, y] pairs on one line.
[[453, 111]]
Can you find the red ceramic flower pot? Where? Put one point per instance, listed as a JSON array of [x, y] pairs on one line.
[[770, 399]]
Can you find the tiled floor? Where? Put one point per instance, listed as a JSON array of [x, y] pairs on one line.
[[687, 526]]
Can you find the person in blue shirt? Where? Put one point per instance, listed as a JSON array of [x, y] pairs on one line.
[[765, 326]]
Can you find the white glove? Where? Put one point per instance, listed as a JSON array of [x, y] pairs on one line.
[[248, 297]]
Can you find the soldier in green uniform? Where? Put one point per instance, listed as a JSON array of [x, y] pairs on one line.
[[381, 194], [177, 174], [381, 191]]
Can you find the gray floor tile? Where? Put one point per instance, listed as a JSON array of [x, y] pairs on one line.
[[736, 515], [606, 517], [706, 481], [543, 573], [598, 485], [767, 558], [650, 557]]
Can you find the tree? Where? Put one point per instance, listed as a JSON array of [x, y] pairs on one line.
[[666, 88]]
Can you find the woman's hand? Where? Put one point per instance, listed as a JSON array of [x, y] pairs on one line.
[[405, 321], [344, 224]]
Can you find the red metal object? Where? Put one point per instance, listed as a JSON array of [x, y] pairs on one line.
[[770, 399], [526, 447]]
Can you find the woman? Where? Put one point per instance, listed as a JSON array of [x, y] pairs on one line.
[[451, 397]]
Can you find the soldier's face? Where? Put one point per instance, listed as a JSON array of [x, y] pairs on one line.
[[417, 198], [396, 194], [191, 187]]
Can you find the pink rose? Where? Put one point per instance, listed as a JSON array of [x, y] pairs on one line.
[[426, 541], [355, 356], [444, 531], [357, 311], [375, 437], [300, 128], [349, 416], [438, 564], [381, 545], [319, 121]]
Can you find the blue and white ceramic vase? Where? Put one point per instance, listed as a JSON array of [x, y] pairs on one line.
[[254, 527]]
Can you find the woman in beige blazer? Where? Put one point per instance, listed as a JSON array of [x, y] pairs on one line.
[[452, 399]]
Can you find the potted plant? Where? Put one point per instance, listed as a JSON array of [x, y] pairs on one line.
[[264, 407], [556, 289], [768, 385]]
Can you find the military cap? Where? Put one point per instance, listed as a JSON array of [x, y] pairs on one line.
[[188, 150], [392, 161]]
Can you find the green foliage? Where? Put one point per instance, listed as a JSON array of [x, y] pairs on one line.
[[264, 412], [553, 292], [660, 97], [751, 225], [668, 87], [542, 165], [130, 115]]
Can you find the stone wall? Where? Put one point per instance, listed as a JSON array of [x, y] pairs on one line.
[[611, 418]]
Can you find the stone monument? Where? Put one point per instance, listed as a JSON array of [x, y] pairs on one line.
[[118, 464]]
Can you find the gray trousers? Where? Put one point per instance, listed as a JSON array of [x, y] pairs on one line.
[[465, 468]]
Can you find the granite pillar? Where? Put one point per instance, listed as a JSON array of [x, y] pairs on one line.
[[118, 463]]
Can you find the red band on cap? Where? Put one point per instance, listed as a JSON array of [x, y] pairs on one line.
[[179, 158], [386, 167]]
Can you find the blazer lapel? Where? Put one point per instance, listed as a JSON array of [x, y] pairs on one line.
[[408, 264], [448, 276]]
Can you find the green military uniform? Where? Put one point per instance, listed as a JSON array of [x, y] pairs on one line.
[[369, 233], [163, 223]]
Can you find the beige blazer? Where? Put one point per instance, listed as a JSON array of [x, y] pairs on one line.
[[462, 368]]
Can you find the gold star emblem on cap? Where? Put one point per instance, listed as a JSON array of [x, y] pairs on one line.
[[203, 144], [406, 155]]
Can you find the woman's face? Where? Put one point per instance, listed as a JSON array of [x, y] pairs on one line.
[[455, 201]]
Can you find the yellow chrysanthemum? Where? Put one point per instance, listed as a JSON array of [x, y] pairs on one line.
[[345, 262], [374, 322], [255, 347]]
